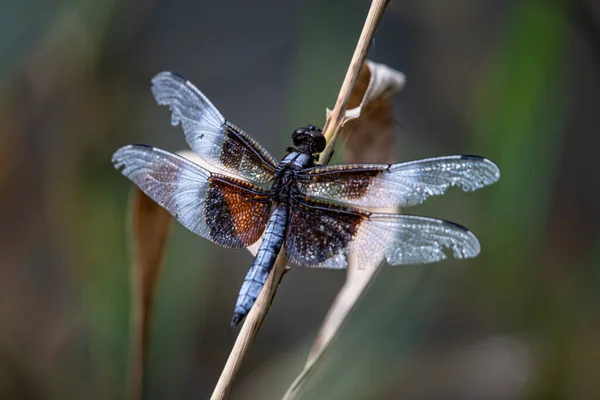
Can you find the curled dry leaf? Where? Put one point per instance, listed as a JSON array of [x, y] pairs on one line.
[[371, 124], [370, 119], [369, 115]]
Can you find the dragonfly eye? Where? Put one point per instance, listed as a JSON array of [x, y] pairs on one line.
[[319, 140], [297, 136]]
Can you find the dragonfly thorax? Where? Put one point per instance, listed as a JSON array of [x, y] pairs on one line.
[[285, 186]]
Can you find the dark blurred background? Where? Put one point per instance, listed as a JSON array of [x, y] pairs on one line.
[[515, 81]]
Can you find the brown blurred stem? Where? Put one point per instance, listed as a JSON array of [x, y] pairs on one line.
[[150, 227], [258, 312]]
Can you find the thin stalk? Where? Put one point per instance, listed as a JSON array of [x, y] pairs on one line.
[[251, 325], [336, 118], [258, 312]]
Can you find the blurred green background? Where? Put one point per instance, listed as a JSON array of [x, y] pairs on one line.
[[515, 81]]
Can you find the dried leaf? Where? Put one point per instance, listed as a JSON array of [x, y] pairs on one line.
[[374, 88], [371, 140], [371, 121], [150, 227]]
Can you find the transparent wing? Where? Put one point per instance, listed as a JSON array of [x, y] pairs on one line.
[[403, 184], [227, 211], [410, 239], [323, 235], [216, 140]]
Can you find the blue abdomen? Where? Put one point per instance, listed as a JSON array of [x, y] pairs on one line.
[[263, 263]]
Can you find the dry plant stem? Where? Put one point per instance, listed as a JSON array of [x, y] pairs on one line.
[[258, 312], [253, 321], [335, 120]]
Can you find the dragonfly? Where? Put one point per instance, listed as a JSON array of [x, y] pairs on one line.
[[319, 215]]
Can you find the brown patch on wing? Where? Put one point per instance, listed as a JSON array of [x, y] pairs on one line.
[[319, 231], [347, 183], [241, 153], [236, 212]]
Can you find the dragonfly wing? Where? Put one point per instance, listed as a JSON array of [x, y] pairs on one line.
[[227, 211]]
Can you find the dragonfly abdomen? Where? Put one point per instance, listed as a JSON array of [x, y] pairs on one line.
[[263, 263]]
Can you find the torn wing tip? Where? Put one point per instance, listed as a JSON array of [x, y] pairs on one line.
[[166, 75], [493, 169], [490, 173], [472, 246], [467, 246], [118, 157], [163, 83]]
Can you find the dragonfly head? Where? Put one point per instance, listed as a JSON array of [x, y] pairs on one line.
[[309, 139]]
